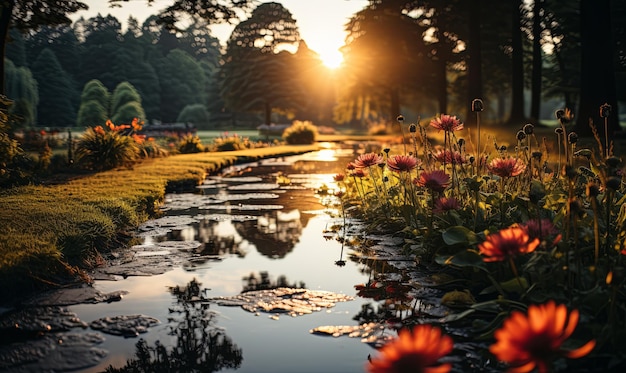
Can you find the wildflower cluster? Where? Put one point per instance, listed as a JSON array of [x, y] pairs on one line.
[[529, 230]]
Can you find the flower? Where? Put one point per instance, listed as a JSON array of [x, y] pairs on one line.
[[339, 177], [506, 244], [447, 123], [413, 351], [447, 156], [400, 163], [99, 130], [531, 341], [436, 180], [359, 172], [542, 229], [368, 160], [506, 167], [446, 204]]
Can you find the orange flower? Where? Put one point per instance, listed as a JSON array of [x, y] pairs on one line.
[[400, 163], [368, 160], [447, 123], [532, 341], [506, 244], [436, 180], [506, 167], [414, 351], [99, 130], [136, 124], [139, 139]]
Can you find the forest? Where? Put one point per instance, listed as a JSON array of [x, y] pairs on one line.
[[418, 58]]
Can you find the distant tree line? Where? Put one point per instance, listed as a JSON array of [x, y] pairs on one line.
[[400, 56]]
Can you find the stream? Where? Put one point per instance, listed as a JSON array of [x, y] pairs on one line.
[[243, 275]]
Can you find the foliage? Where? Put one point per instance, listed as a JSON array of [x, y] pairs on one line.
[[228, 142], [56, 92], [94, 106], [519, 227], [300, 133], [195, 114], [99, 149], [190, 143], [126, 104], [22, 88]]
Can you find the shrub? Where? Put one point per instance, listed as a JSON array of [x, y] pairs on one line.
[[190, 144], [100, 150], [196, 114], [300, 133]]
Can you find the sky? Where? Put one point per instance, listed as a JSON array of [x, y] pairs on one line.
[[321, 22]]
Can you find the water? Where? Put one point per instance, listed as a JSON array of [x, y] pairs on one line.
[[281, 238]]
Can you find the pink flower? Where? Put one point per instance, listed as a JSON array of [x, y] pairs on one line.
[[368, 160], [506, 167], [402, 163], [447, 123], [436, 180], [359, 172], [447, 156], [446, 204]]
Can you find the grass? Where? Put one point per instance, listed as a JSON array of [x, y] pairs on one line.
[[53, 232]]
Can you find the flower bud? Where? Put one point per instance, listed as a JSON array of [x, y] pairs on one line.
[[412, 128], [605, 110], [521, 135], [572, 138], [477, 105], [528, 129], [400, 119]]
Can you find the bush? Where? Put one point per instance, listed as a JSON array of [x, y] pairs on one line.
[[196, 114], [190, 144], [300, 133], [100, 150]]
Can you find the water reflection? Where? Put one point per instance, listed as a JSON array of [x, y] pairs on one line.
[[200, 346], [262, 281]]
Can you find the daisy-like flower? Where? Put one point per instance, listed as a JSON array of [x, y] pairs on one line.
[[506, 244], [436, 180], [447, 123], [447, 156], [414, 351], [339, 177], [402, 163], [446, 204], [368, 160], [543, 230], [530, 341], [506, 167], [359, 172]]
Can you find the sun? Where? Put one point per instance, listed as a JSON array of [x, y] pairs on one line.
[[331, 58]]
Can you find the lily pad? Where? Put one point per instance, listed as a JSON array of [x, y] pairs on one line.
[[291, 301], [124, 325], [370, 333]]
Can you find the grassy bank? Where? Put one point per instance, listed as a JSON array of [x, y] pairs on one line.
[[51, 233]]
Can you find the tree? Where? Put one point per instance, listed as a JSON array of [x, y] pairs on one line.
[[258, 72], [385, 52], [126, 104], [94, 106], [56, 93], [29, 15], [182, 83], [597, 85], [22, 87]]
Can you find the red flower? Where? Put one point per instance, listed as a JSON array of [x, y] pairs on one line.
[[339, 177], [543, 230], [506, 167], [400, 163], [446, 204], [447, 123], [414, 351], [436, 180], [359, 172], [506, 244], [368, 160], [532, 341]]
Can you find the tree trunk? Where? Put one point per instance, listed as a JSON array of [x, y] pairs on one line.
[[395, 103], [268, 113], [517, 60], [535, 100], [6, 10], [475, 77], [597, 84], [442, 83]]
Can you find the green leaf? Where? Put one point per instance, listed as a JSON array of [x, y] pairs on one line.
[[465, 258], [459, 235]]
